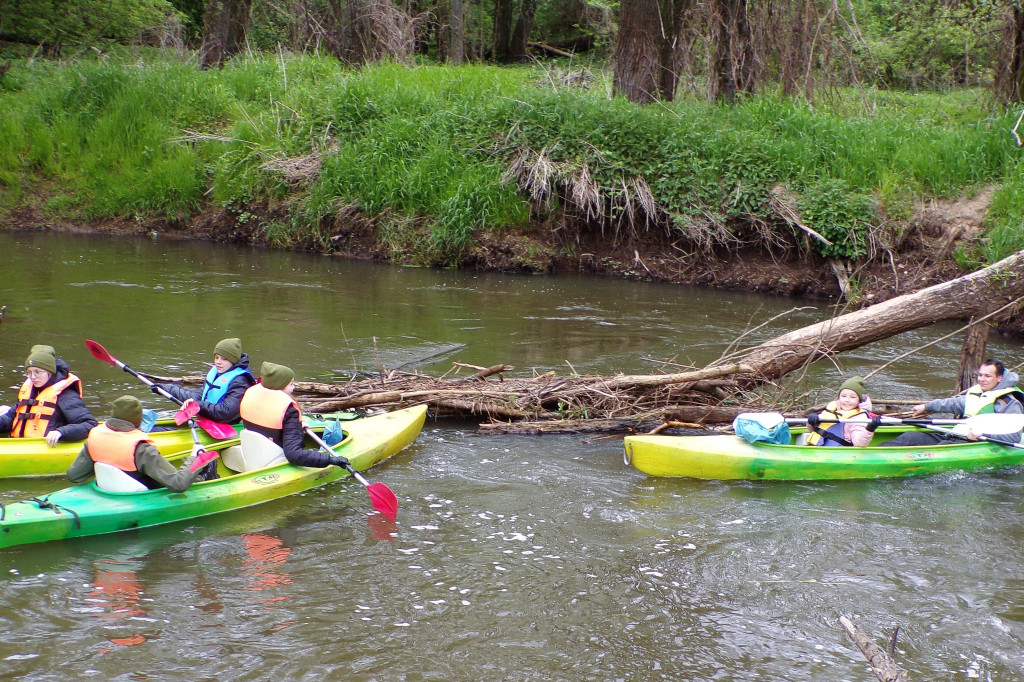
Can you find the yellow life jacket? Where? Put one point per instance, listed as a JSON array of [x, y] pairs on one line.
[[978, 402], [33, 415], [115, 447], [832, 411]]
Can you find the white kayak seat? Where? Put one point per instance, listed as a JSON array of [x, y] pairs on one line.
[[112, 479], [256, 452], [802, 439]]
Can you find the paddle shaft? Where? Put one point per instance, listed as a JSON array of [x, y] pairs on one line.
[[961, 436], [215, 429], [345, 463]]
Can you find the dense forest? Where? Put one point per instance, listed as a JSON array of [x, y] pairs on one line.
[[652, 138]]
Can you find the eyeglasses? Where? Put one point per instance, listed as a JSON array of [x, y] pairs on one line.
[[35, 373]]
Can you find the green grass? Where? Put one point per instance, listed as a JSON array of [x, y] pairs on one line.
[[426, 150]]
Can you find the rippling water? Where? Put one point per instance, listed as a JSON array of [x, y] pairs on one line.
[[513, 558]]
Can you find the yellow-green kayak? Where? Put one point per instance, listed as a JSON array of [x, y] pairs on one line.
[[729, 457], [87, 510], [23, 457]]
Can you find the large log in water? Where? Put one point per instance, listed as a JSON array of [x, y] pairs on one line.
[[975, 295]]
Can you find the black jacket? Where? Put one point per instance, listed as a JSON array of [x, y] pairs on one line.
[[226, 411]]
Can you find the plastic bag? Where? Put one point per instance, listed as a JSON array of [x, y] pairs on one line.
[[148, 420], [333, 433], [755, 427]]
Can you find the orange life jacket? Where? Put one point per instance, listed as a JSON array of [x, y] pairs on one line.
[[262, 409], [115, 447], [33, 415]]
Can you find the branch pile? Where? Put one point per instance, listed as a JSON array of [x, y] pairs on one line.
[[546, 402]]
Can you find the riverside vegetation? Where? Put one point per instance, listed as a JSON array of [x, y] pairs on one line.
[[518, 168]]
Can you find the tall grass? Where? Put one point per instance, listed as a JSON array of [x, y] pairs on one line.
[[427, 150]]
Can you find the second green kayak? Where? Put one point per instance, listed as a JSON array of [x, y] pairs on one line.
[[86, 510], [729, 457]]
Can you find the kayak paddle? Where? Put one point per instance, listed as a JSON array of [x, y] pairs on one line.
[[215, 429], [189, 409], [955, 433], [990, 422], [383, 499]]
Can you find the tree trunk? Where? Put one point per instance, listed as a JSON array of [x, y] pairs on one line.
[[636, 54], [521, 33], [502, 30], [441, 19], [671, 49], [457, 51], [225, 23], [974, 295], [973, 354], [734, 62], [1009, 81]]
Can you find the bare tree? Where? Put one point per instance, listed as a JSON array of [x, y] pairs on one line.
[[1009, 80], [521, 33], [637, 51], [225, 23], [733, 49]]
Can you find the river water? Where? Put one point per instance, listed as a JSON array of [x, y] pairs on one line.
[[513, 558]]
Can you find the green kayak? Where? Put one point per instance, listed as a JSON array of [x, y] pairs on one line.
[[86, 510], [24, 457], [729, 457]]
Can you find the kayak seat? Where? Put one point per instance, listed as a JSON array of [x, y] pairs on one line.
[[112, 479], [801, 439], [256, 452]]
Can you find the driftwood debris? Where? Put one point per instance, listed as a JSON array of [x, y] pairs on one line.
[[735, 383], [882, 665]]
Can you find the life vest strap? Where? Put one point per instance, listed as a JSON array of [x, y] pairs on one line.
[[831, 436]]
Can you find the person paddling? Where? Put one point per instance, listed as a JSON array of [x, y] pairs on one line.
[[851, 404], [119, 442], [49, 403], [225, 384], [222, 391], [269, 409], [996, 392]]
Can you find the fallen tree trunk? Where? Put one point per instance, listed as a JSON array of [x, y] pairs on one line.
[[975, 295]]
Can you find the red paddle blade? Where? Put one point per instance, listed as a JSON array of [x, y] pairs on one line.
[[99, 352], [202, 459], [383, 500], [189, 409], [216, 429]]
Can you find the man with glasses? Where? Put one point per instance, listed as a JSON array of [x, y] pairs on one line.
[[49, 403], [996, 392]]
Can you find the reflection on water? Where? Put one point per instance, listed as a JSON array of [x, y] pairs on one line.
[[513, 558]]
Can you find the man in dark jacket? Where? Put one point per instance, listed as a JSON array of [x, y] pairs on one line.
[[49, 403]]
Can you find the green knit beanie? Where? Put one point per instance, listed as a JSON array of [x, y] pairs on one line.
[[38, 357], [44, 348], [229, 349], [128, 408], [855, 384], [275, 376]]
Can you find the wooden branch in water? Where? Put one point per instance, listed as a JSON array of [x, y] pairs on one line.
[[882, 665]]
